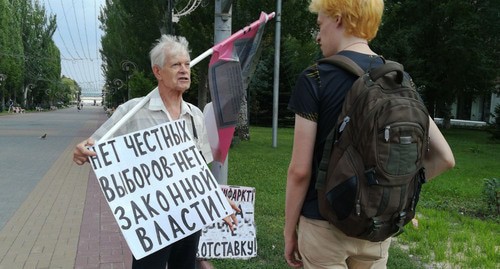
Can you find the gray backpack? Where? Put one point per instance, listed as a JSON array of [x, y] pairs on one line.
[[371, 171]]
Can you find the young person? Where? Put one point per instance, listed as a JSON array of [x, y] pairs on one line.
[[345, 27]]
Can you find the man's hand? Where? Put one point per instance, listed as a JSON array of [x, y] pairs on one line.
[[81, 153], [231, 220]]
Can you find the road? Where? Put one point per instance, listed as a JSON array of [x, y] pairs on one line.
[[52, 214]]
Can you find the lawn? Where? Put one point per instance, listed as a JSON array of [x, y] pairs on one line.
[[455, 230]]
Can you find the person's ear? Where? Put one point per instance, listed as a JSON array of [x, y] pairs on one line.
[[338, 20], [156, 72]]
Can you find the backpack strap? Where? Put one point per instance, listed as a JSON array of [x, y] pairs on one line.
[[352, 67], [325, 160], [388, 67]]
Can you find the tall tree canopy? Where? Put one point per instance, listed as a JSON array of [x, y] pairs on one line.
[[29, 56], [449, 47]]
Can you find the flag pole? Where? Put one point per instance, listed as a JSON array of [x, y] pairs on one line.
[[193, 62], [256, 23]]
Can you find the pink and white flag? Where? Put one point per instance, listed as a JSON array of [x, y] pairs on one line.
[[233, 62]]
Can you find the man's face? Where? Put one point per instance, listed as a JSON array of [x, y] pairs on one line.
[[175, 73]]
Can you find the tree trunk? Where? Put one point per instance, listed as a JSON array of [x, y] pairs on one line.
[[446, 116]]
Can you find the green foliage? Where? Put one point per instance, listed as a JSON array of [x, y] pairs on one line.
[[428, 37], [491, 195], [11, 51], [28, 55], [140, 85]]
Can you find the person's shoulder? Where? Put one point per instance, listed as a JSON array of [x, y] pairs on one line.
[[362, 59], [131, 103], [309, 72], [196, 111]]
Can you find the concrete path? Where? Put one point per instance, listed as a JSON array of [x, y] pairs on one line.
[[52, 211]]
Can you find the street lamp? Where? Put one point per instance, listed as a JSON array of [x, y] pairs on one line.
[[127, 66], [29, 87], [119, 84]]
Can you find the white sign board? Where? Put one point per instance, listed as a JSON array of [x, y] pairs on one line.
[[218, 241], [158, 186]]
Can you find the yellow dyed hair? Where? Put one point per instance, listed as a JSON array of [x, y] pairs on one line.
[[361, 18]]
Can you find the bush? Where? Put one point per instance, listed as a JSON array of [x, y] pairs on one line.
[[491, 196]]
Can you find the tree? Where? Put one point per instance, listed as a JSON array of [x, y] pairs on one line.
[[11, 51], [449, 47], [42, 65], [72, 89], [130, 28]]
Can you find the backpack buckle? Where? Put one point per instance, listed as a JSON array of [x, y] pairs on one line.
[[400, 221], [421, 176], [370, 177]]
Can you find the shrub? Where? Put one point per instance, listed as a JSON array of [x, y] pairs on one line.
[[491, 196]]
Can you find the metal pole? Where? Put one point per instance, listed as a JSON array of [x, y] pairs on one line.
[[222, 31], [276, 73], [170, 23]]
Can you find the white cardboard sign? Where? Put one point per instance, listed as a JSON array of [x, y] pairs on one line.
[[219, 242], [158, 186]]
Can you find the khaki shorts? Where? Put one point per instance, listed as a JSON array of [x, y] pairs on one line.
[[321, 245]]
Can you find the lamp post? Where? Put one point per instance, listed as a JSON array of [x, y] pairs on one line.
[[3, 77], [119, 84], [127, 66], [29, 87]]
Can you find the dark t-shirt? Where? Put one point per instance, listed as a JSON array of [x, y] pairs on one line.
[[318, 96]]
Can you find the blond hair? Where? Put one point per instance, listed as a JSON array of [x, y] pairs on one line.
[[361, 18]]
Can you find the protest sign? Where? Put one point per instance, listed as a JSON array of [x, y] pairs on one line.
[[158, 186], [218, 241]]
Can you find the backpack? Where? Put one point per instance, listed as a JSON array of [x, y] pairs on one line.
[[371, 172]]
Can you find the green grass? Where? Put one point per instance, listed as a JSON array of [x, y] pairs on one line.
[[454, 229]]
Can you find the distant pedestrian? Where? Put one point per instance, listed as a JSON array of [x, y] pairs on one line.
[[11, 105]]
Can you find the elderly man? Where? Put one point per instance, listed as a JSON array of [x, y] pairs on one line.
[[170, 64]]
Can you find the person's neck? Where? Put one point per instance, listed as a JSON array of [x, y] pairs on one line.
[[172, 101], [357, 45]]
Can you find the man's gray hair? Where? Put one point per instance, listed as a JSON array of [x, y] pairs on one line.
[[167, 45]]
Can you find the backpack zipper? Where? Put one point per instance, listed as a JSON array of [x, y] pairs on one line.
[[358, 187], [344, 124], [387, 133]]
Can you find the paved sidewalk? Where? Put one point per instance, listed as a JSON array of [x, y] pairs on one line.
[[64, 222]]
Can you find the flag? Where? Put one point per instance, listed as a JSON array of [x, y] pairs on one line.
[[231, 66]]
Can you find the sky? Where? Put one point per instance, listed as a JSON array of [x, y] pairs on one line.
[[78, 38]]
